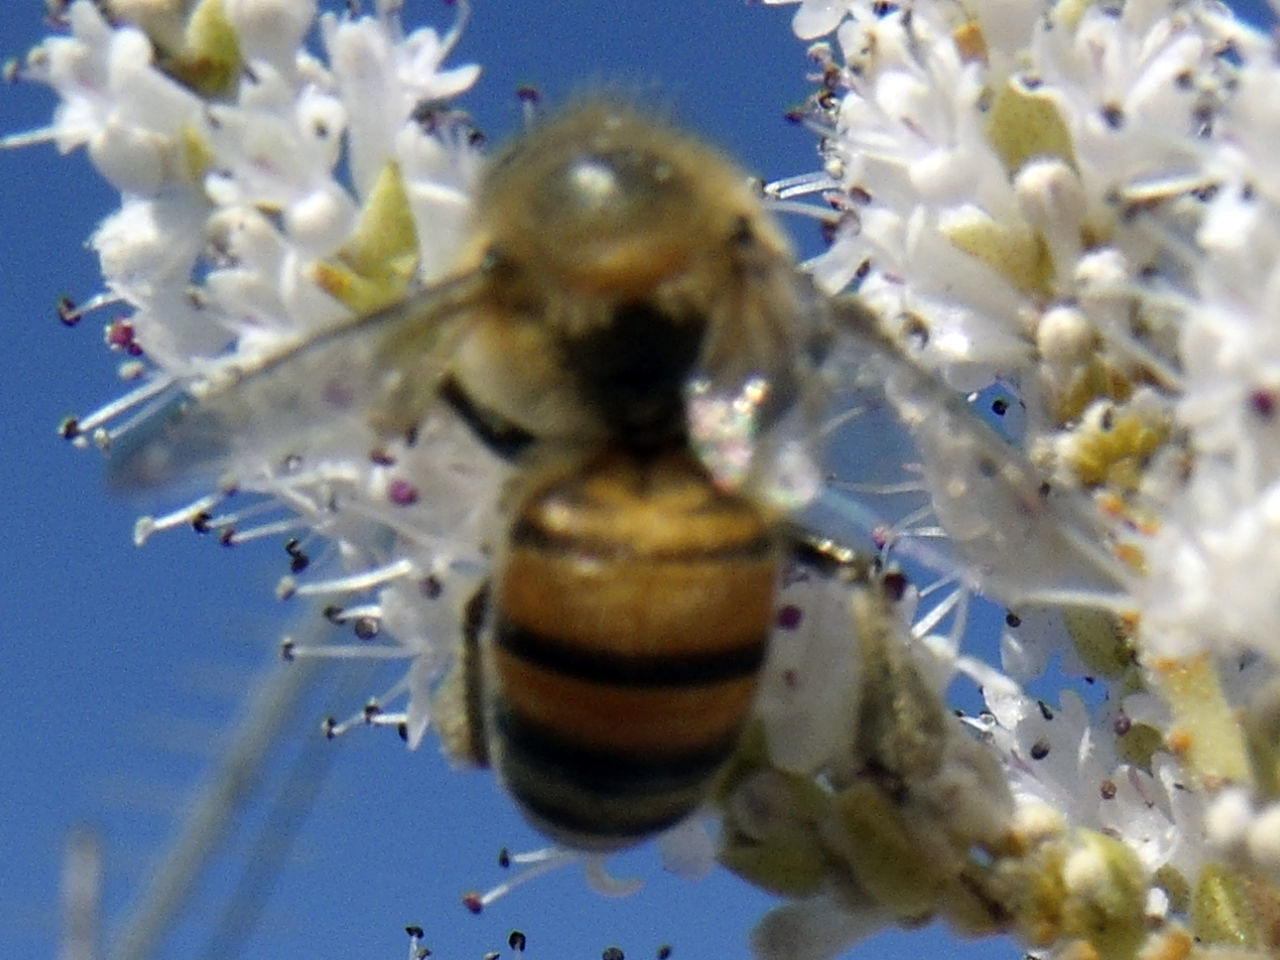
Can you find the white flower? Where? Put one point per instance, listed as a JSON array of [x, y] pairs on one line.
[[253, 217], [114, 101]]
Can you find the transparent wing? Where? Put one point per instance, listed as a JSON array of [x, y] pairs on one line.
[[755, 403], [1014, 533], [379, 373]]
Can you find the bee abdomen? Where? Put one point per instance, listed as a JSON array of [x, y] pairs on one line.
[[631, 622]]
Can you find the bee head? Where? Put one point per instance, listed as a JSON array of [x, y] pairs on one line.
[[624, 256], [610, 201]]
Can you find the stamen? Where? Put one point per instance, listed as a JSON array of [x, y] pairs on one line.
[[530, 97], [936, 614], [193, 513], [71, 313], [372, 715], [901, 536], [121, 405], [800, 185], [289, 650], [535, 864], [932, 588], [230, 523], [346, 614], [29, 138], [283, 527], [356, 583], [416, 950]]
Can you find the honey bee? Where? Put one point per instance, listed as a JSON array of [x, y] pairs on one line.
[[618, 273]]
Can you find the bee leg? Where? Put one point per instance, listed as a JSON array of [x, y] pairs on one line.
[[902, 723], [474, 615], [830, 558], [505, 440], [459, 702]]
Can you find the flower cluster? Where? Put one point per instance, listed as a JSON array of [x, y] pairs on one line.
[[1073, 203], [267, 195]]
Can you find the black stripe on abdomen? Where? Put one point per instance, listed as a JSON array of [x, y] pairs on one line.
[[529, 534], [598, 665], [593, 797]]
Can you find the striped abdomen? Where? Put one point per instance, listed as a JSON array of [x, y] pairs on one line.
[[632, 612]]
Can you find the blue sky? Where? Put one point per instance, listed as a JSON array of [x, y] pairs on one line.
[[127, 669]]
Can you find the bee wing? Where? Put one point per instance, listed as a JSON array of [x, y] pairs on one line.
[[1016, 534], [754, 405], [379, 371]]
